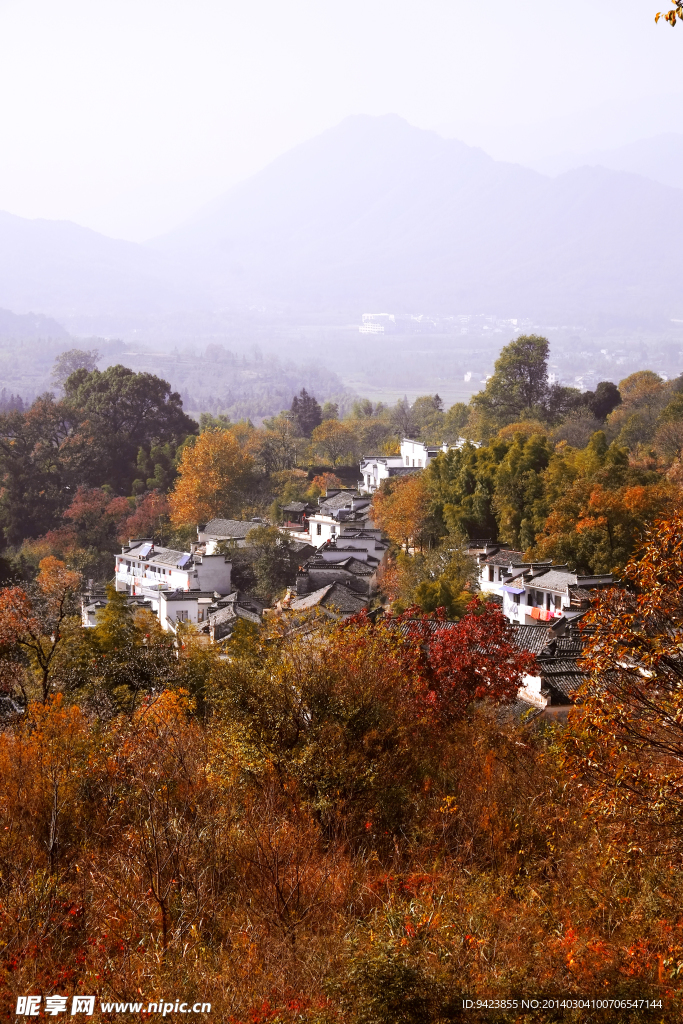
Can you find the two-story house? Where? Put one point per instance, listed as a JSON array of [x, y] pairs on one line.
[[339, 511], [414, 455], [541, 593], [534, 591], [179, 585]]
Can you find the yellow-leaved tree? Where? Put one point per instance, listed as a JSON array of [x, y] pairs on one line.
[[213, 475], [401, 509]]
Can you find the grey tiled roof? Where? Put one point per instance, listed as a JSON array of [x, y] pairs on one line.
[[298, 546], [530, 638], [518, 712], [554, 580], [166, 556], [339, 500], [562, 674], [352, 565], [558, 579], [301, 604], [505, 558], [334, 596], [515, 574], [228, 529], [343, 599], [569, 646]]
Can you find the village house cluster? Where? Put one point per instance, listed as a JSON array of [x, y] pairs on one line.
[[338, 558], [544, 604]]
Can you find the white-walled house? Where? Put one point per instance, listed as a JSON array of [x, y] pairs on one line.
[[338, 512], [414, 455], [534, 592], [496, 565], [542, 593], [376, 468], [191, 606], [176, 583]]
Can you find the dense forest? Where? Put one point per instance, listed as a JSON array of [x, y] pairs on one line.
[[342, 820]]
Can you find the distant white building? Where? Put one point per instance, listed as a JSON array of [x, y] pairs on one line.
[[377, 323]]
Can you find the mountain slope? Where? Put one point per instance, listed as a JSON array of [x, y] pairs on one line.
[[375, 213], [58, 267]]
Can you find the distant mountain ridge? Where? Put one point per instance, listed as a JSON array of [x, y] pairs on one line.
[[57, 267], [375, 215], [659, 157]]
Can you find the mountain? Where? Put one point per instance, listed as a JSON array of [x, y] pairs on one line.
[[57, 267], [20, 327], [659, 158], [375, 214], [371, 215]]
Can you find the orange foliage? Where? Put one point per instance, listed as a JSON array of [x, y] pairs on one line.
[[157, 855], [212, 475], [401, 509], [595, 528], [32, 624]]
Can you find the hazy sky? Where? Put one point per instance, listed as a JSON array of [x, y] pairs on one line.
[[126, 116]]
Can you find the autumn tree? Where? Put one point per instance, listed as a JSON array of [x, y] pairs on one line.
[[279, 446], [401, 508], [335, 440], [341, 716], [213, 474], [34, 623], [95, 524], [627, 740], [644, 396], [671, 16], [595, 528]]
